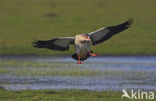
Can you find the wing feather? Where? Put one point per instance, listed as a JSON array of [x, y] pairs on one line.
[[59, 44], [104, 34]]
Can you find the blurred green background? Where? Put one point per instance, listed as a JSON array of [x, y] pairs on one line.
[[23, 20]]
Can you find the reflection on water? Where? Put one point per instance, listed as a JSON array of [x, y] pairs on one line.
[[100, 73]]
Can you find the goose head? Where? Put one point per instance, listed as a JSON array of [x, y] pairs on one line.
[[85, 38]]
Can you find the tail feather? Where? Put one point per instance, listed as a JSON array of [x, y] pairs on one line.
[[75, 56]]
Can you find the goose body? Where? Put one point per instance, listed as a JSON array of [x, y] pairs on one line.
[[81, 46], [82, 42]]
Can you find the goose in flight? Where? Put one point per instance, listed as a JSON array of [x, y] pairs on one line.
[[82, 42]]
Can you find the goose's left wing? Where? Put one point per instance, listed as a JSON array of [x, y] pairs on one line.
[[59, 44], [104, 34]]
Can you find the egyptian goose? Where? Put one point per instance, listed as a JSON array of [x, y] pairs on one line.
[[82, 42]]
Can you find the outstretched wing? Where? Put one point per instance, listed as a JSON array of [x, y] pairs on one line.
[[104, 34], [59, 44]]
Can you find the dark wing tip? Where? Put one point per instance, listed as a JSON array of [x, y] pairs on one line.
[[37, 43]]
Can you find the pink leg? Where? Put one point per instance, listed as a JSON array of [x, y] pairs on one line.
[[79, 61], [92, 54]]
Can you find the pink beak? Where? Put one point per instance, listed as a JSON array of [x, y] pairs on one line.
[[89, 39]]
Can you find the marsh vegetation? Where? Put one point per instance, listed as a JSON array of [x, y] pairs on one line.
[[22, 20]]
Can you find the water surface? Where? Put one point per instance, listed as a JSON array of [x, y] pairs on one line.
[[97, 73]]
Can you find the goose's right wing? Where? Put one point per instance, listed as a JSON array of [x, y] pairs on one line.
[[59, 44]]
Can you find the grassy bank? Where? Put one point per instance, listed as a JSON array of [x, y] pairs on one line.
[[60, 95], [22, 20]]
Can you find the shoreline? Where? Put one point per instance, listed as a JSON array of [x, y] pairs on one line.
[[100, 55]]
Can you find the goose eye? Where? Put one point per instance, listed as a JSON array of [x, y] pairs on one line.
[[86, 37]]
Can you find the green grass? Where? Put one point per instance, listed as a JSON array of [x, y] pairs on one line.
[[61, 95], [23, 20]]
